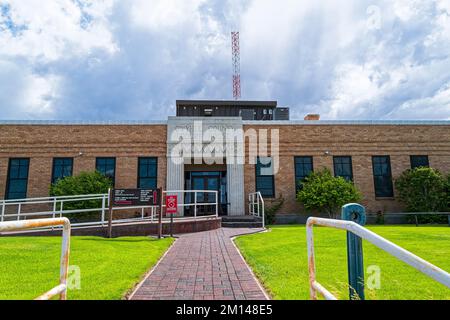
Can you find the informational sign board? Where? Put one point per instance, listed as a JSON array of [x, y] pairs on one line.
[[135, 197], [171, 204]]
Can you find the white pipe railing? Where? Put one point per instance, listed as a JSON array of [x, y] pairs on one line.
[[257, 200], [409, 258], [56, 208], [196, 204], [61, 289]]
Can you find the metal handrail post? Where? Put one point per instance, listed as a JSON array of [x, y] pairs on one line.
[[195, 204], [263, 205], [259, 209], [103, 209], [3, 210], [54, 211], [217, 204], [311, 263], [65, 252]]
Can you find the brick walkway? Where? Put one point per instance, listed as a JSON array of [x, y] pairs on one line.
[[202, 266]]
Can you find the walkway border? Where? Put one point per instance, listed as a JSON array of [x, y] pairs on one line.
[[261, 287], [135, 289]]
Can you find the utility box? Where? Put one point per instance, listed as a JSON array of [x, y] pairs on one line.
[[282, 114]]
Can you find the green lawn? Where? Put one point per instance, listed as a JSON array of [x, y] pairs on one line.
[[279, 259], [109, 268]]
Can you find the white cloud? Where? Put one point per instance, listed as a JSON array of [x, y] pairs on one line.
[[158, 15], [57, 29], [434, 107], [128, 59], [24, 94]]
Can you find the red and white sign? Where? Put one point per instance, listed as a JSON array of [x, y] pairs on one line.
[[171, 204]]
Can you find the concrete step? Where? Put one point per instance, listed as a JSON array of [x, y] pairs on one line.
[[241, 222], [241, 219], [242, 225]]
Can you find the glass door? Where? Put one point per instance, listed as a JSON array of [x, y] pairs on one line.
[[207, 181]]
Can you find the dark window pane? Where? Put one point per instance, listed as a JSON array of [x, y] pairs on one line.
[[148, 183], [142, 170], [16, 187], [107, 167], [62, 167], [265, 182], [57, 172], [67, 171], [382, 176], [419, 161], [14, 171], [303, 168], [343, 168], [148, 173]]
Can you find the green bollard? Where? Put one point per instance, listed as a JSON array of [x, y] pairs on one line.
[[356, 213]]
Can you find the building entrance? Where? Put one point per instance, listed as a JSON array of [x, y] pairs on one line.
[[207, 181]]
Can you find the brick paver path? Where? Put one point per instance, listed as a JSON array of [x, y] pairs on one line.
[[202, 266]]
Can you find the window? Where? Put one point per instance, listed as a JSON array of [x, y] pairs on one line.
[[62, 167], [148, 173], [419, 161], [265, 182], [107, 167], [303, 168], [382, 177], [343, 167], [17, 182]]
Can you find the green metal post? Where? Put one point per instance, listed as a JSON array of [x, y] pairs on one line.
[[356, 213]]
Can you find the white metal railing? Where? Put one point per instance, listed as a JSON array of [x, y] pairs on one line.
[[415, 214], [61, 289], [256, 206], [414, 261], [196, 204], [55, 207]]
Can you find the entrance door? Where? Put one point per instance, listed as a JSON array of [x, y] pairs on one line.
[[207, 181]]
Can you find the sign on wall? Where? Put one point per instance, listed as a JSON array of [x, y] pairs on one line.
[[135, 197], [171, 204]]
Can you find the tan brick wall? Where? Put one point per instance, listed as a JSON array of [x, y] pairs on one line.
[[360, 142], [43, 143], [3, 176], [128, 142]]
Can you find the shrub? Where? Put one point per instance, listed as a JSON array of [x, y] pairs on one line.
[[323, 192], [423, 190], [83, 184]]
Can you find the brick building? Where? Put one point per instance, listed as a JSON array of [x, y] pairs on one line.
[[33, 154]]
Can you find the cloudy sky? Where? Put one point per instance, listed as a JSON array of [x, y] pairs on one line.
[[131, 59]]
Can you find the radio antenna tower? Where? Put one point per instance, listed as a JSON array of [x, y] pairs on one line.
[[236, 65]]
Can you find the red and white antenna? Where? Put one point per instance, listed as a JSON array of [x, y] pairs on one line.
[[236, 65]]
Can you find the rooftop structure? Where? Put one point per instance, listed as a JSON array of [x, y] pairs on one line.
[[247, 110]]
